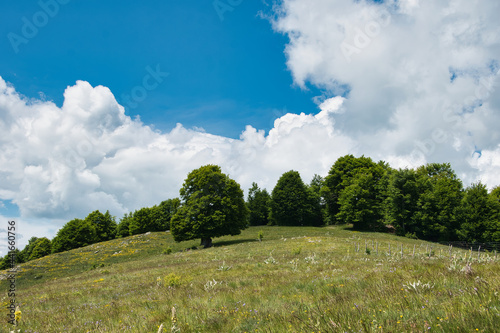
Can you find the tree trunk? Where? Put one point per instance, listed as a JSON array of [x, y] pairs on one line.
[[206, 242]]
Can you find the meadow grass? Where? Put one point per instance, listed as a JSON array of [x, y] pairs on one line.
[[296, 279]]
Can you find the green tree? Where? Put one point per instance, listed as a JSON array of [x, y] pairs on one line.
[[495, 193], [340, 176], [317, 189], [5, 263], [74, 234], [361, 203], [105, 225], [440, 196], [402, 203], [213, 205], [292, 203], [26, 252], [123, 227], [141, 222], [162, 214], [258, 205], [42, 248], [478, 214]]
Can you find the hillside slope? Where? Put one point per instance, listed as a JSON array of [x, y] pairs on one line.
[[296, 280]]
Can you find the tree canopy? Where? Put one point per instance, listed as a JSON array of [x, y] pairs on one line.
[[258, 205], [293, 204], [212, 205]]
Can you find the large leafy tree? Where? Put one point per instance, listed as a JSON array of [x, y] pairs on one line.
[[341, 175], [141, 222], [292, 203], [42, 248], [258, 205], [156, 218], [495, 193], [212, 205], [478, 215], [74, 234], [105, 225], [440, 196], [361, 202], [402, 202], [26, 252], [162, 214], [123, 227]]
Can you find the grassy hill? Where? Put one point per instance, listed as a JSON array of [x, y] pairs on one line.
[[297, 279]]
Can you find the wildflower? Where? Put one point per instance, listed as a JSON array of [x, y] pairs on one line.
[[160, 329], [17, 314]]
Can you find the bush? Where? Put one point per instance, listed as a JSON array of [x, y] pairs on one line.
[[172, 280]]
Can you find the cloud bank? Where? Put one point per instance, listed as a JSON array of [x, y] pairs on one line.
[[421, 77], [62, 163]]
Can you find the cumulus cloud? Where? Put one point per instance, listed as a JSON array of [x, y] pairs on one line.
[[421, 77], [61, 163]]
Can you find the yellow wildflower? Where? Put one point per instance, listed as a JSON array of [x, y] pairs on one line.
[[17, 314]]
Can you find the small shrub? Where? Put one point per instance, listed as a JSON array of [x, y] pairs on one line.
[[168, 250], [172, 280], [411, 235], [297, 251], [260, 235], [368, 251]]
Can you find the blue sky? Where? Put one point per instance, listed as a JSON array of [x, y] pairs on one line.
[[223, 74], [92, 92]]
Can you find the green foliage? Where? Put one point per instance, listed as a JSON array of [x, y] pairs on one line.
[[355, 191], [361, 196], [441, 195], [317, 189], [172, 280], [42, 248], [5, 263], [478, 215], [28, 249], [339, 177], [212, 206], [293, 204], [260, 235], [495, 194], [258, 205], [402, 203], [156, 218], [74, 234], [167, 209], [104, 224], [123, 227], [424, 203], [141, 222]]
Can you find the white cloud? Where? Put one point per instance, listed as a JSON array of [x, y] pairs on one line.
[[61, 163], [421, 77]]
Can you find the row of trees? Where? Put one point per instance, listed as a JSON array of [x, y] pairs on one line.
[[426, 203], [97, 227]]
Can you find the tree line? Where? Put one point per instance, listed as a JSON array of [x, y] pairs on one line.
[[428, 203]]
